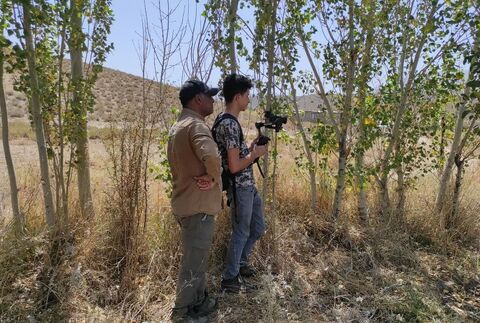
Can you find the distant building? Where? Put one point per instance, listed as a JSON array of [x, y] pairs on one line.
[[313, 109]]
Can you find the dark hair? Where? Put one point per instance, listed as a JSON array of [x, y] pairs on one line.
[[234, 84]]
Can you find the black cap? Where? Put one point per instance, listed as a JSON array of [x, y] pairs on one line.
[[193, 87]]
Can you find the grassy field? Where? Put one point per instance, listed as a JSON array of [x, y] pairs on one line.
[[21, 129], [390, 272]]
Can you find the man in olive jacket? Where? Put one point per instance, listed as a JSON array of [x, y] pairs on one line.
[[196, 197]]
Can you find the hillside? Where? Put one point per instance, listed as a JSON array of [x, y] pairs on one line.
[[114, 91]]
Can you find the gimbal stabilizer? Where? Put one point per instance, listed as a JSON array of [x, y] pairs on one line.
[[272, 121]]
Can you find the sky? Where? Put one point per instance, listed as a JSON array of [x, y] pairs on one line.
[[124, 34], [127, 29]]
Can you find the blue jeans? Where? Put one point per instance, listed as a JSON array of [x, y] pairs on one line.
[[248, 225]]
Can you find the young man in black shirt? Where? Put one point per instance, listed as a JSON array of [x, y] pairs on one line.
[[248, 223]]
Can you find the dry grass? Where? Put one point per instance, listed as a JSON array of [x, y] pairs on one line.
[[388, 273], [21, 129], [324, 272], [114, 91]]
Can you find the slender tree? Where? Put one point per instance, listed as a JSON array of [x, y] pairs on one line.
[[76, 45], [348, 48], [411, 51], [64, 98], [270, 9], [457, 144], [36, 108], [368, 20], [232, 26], [4, 45], [465, 141]]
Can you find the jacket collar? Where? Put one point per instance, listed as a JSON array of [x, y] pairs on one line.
[[186, 112]]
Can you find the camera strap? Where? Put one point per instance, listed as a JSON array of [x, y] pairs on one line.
[[259, 168]]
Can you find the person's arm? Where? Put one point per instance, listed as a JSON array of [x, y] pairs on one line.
[[236, 164], [231, 133], [206, 150]]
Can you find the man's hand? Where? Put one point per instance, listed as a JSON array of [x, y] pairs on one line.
[[259, 151], [204, 182], [254, 142]]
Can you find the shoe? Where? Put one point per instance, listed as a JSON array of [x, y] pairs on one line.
[[236, 285], [247, 271], [232, 285], [208, 306], [247, 286], [186, 317]]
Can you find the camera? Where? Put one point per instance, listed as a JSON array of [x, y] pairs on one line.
[[272, 121]]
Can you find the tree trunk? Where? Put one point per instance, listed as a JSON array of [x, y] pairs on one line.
[[447, 171], [271, 9], [450, 220], [274, 171], [383, 196], [37, 118], [18, 217], [340, 187], [362, 203], [401, 198], [81, 141], [64, 182], [270, 75], [442, 144], [232, 20], [345, 120]]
